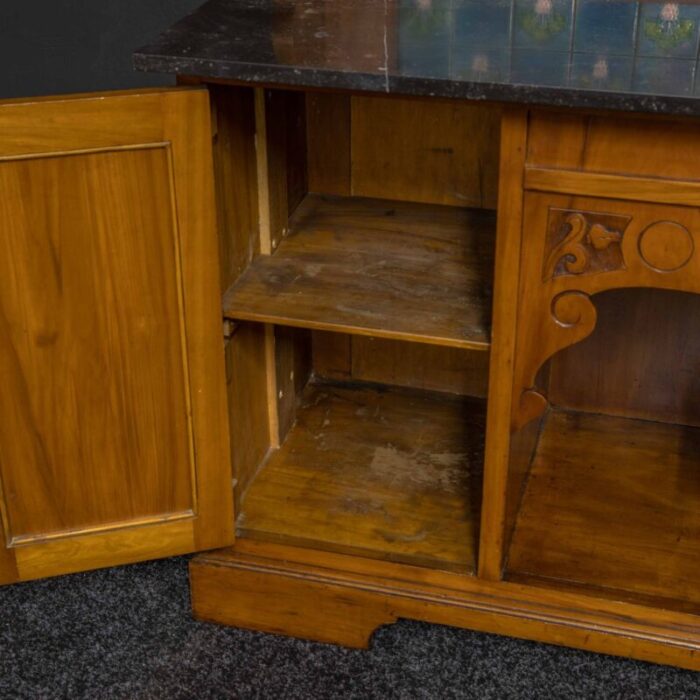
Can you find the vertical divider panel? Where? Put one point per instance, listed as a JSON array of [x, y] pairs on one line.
[[504, 325], [235, 167], [269, 229]]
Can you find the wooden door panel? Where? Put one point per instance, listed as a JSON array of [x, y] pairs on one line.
[[113, 431]]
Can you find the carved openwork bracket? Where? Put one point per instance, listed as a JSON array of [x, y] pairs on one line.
[[583, 242], [571, 255], [572, 317]]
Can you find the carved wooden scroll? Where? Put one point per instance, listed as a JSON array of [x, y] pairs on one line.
[[583, 242], [570, 254]]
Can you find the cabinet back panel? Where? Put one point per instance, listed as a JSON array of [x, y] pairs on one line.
[[641, 361], [430, 152], [94, 410], [415, 365]]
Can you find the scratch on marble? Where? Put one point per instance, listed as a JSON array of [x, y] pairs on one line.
[[386, 45]]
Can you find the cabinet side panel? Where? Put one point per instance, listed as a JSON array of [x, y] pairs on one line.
[[236, 179], [248, 409], [293, 368]]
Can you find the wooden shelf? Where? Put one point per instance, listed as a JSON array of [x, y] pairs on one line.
[[613, 505], [390, 474], [375, 267]]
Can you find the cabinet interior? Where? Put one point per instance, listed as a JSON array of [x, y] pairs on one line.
[[358, 280], [611, 504], [361, 306]]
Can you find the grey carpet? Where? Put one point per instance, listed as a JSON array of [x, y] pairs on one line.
[[127, 633]]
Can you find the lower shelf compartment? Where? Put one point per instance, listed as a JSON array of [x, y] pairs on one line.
[[385, 473], [612, 507]]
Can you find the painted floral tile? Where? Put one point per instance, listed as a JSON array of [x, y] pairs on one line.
[[598, 71], [543, 24], [425, 28], [669, 29], [481, 65]]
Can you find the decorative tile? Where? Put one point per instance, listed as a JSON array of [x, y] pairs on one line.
[[424, 37], [669, 29], [543, 24], [530, 67], [602, 25], [663, 76], [601, 72], [481, 65], [483, 24]]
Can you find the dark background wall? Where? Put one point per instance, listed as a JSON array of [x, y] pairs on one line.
[[57, 46]]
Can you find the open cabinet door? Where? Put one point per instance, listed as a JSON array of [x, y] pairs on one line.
[[113, 428]]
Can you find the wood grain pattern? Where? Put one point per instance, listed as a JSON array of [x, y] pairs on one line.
[[235, 164], [561, 311], [389, 269], [558, 617], [389, 474], [109, 441], [293, 108], [430, 367], [331, 354], [70, 442], [328, 138], [247, 402], [290, 605], [630, 145], [644, 189], [112, 548], [505, 318], [612, 503], [641, 361], [187, 125], [397, 363], [437, 153], [423, 151], [293, 368]]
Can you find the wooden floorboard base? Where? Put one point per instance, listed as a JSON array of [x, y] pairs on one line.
[[342, 599]]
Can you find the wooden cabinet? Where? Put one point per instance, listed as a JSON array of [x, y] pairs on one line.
[[113, 430], [426, 387]]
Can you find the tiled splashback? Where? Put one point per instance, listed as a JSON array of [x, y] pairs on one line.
[[620, 45]]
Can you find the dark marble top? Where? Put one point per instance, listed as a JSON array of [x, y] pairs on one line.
[[611, 54]]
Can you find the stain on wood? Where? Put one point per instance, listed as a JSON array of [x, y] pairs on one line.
[[611, 504], [374, 267], [390, 474]]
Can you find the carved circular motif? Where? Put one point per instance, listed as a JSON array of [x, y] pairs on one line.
[[570, 309], [666, 246]]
